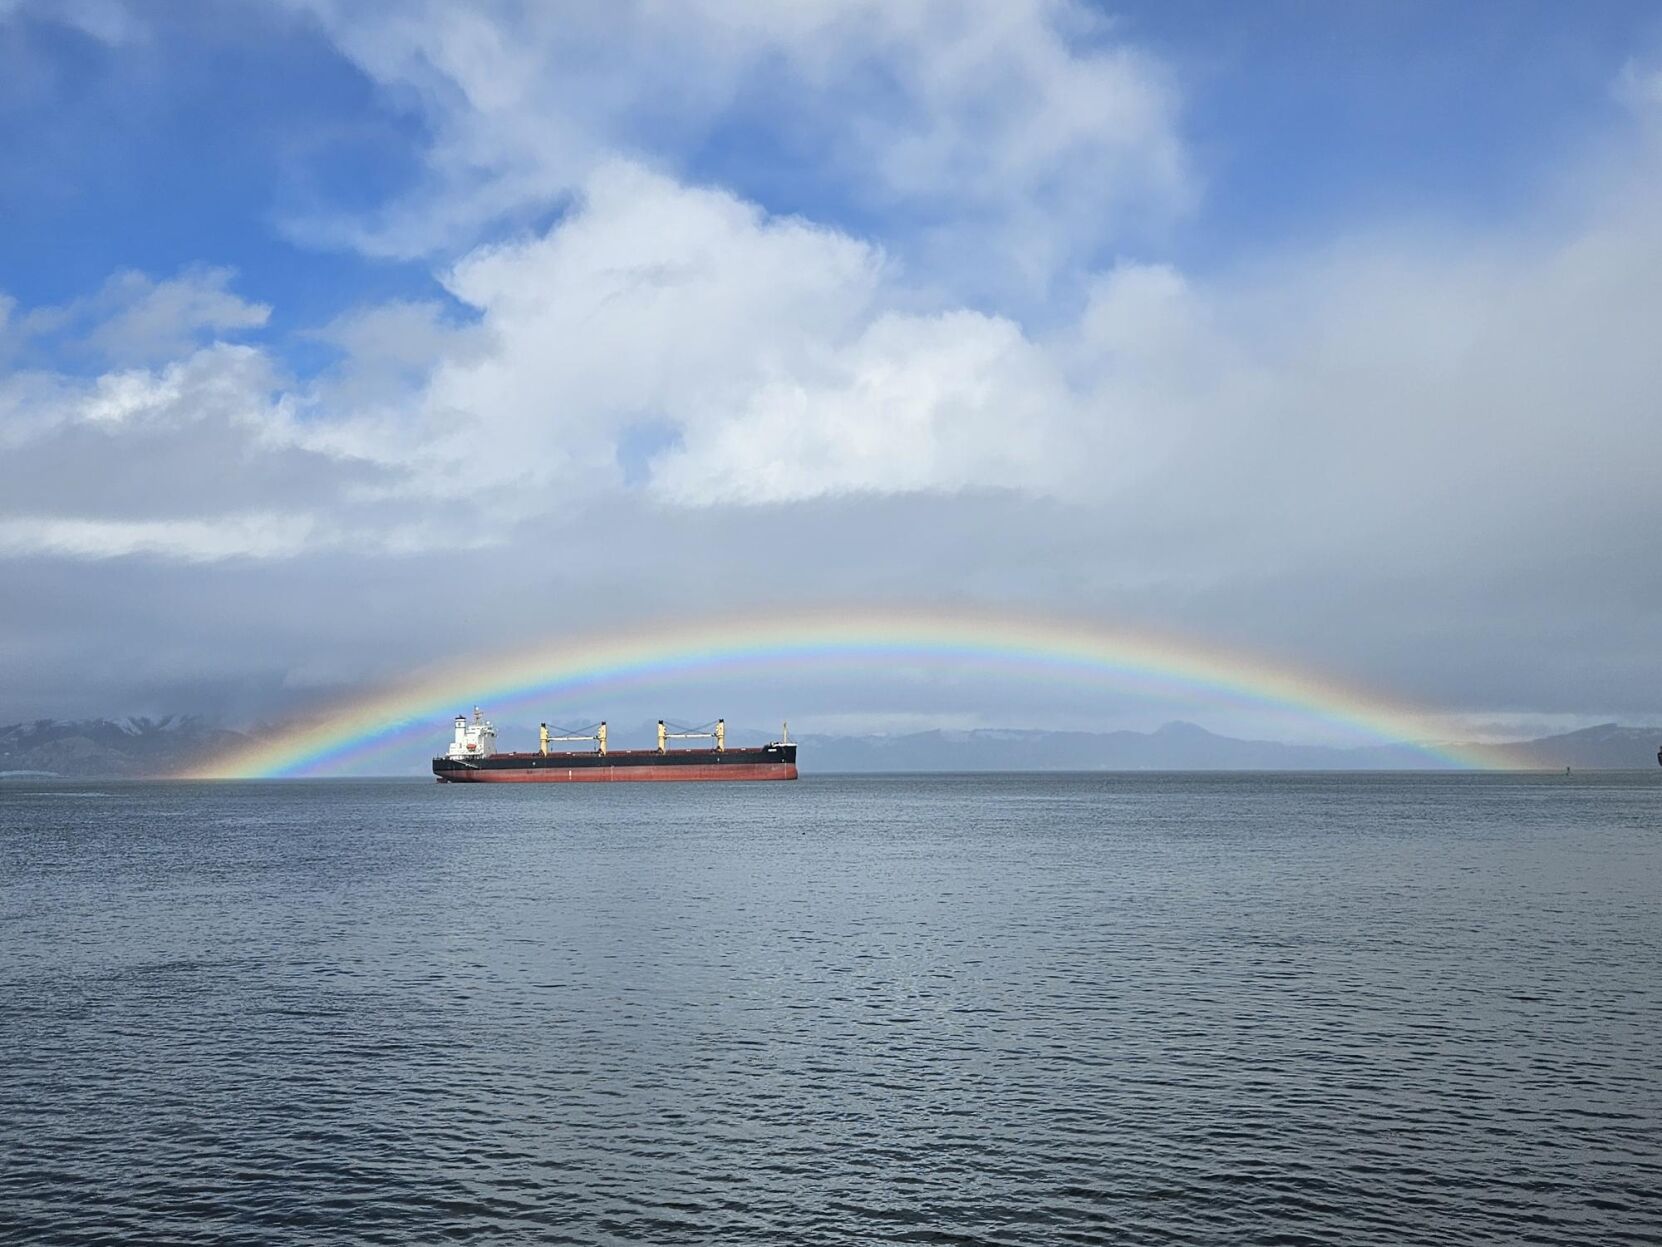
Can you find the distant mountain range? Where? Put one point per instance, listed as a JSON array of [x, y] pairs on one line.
[[111, 748], [1187, 747], [135, 748]]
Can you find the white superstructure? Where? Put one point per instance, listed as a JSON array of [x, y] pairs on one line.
[[473, 740]]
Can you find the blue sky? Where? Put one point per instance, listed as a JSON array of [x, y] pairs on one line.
[[189, 145], [1311, 329], [1316, 115], [198, 141]]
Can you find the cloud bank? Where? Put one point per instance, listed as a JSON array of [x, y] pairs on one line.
[[919, 343]]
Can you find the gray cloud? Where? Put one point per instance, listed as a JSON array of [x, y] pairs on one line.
[[133, 319], [1419, 461]]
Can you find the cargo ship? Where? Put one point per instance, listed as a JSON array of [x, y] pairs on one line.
[[472, 758]]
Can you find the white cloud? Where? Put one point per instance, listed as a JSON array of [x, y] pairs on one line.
[[651, 302], [260, 536], [152, 320], [234, 383], [133, 318], [913, 404], [1434, 401], [389, 353], [30, 404], [781, 356], [780, 361], [1022, 121], [221, 382], [199, 460]]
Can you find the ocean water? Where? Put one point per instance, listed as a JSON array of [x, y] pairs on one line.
[[994, 1009]]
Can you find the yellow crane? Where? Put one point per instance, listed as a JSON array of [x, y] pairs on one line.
[[719, 736], [599, 737]]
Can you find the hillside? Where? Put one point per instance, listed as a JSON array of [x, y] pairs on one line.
[[110, 748]]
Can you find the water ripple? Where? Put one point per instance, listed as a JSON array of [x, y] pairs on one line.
[[1089, 1009]]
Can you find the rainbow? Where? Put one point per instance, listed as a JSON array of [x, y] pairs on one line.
[[1073, 650]]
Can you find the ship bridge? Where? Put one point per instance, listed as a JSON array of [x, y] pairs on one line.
[[473, 740]]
